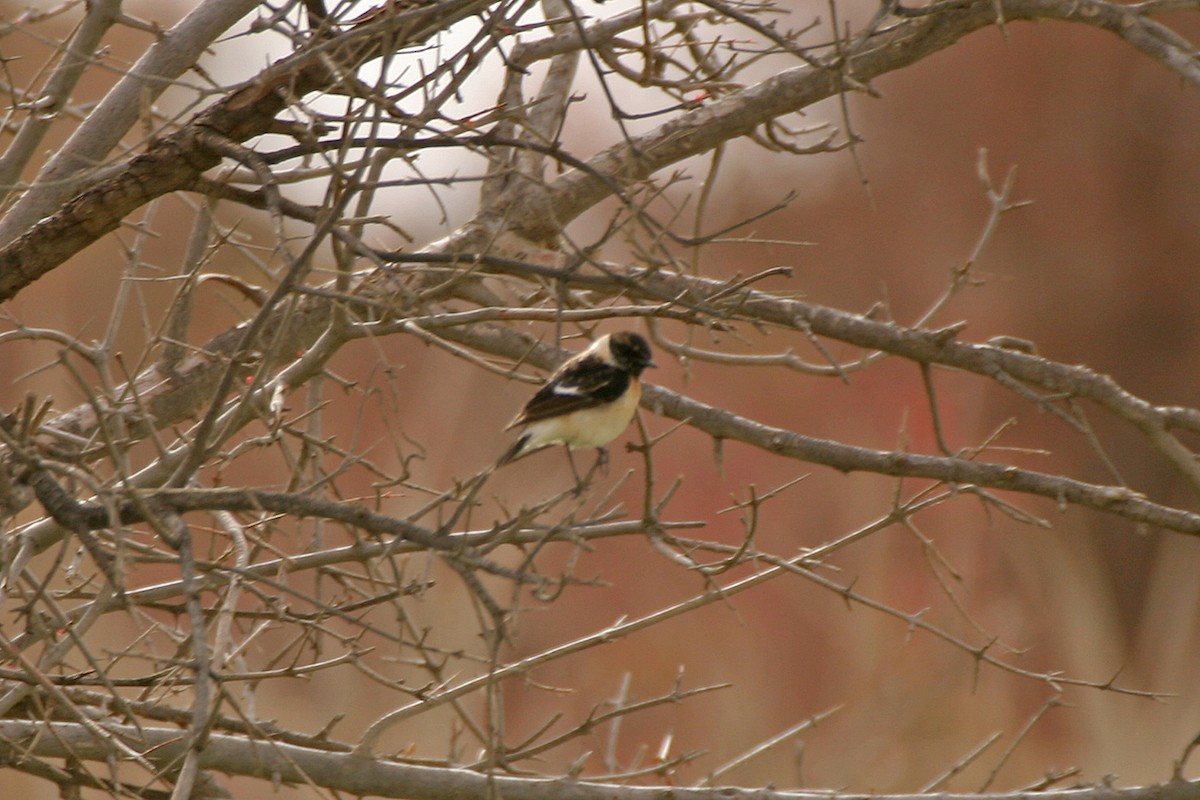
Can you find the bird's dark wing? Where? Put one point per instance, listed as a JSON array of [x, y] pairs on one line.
[[586, 383]]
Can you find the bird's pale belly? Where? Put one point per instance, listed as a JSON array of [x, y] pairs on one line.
[[592, 427]]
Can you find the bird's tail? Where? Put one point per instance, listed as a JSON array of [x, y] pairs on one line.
[[516, 451]]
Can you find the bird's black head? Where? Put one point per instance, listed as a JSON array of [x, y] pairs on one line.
[[630, 352]]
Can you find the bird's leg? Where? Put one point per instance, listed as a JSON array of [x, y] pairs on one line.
[[601, 459], [579, 484]]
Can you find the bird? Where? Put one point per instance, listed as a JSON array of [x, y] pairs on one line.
[[587, 402]]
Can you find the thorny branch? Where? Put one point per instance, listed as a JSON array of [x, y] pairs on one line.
[[198, 496]]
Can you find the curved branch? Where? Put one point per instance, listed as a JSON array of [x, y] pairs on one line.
[[540, 216]]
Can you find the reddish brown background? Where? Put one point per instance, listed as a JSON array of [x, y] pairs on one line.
[[1100, 270]]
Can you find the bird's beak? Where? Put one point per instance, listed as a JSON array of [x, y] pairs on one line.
[[651, 364]]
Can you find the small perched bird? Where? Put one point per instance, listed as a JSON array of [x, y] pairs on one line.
[[588, 401]]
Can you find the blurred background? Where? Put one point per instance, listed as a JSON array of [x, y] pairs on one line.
[[1102, 269]]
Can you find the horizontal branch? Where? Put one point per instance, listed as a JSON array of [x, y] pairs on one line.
[[215, 575], [175, 400], [279, 762], [925, 346], [723, 424], [1004, 365]]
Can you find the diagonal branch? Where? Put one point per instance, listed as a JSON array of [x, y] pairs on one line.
[[540, 216], [174, 53], [176, 161]]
